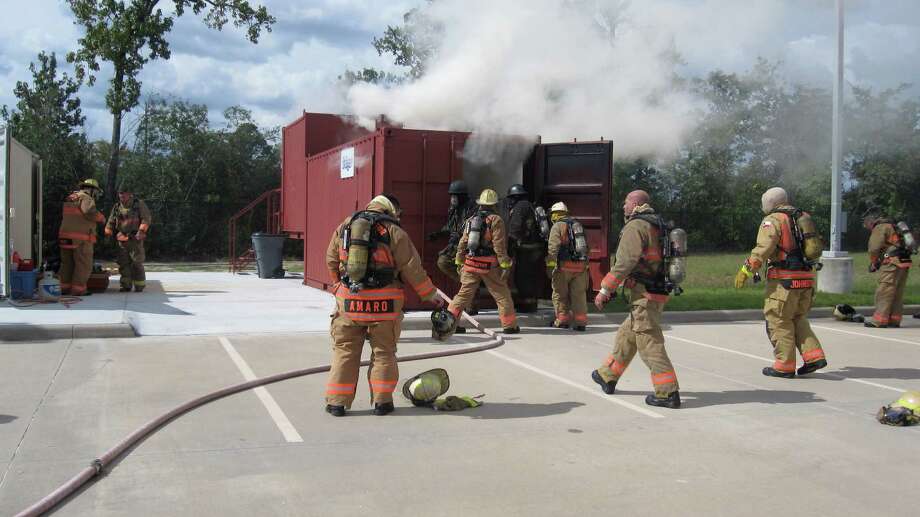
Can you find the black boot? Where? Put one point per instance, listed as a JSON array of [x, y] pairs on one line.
[[769, 371], [874, 325], [335, 410], [917, 315], [512, 330], [579, 328], [812, 367], [559, 325], [384, 408], [671, 401], [460, 330], [608, 386], [124, 289], [138, 288]]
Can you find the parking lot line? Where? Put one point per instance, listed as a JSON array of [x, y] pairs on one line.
[[274, 410], [873, 336], [594, 392], [770, 360]]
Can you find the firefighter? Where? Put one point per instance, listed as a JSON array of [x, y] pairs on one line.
[[482, 254], [368, 278], [461, 209], [790, 287], [891, 259], [78, 235], [638, 268], [129, 222], [525, 246], [567, 266]]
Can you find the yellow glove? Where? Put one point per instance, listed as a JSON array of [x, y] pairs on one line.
[[506, 270], [742, 276], [550, 267]]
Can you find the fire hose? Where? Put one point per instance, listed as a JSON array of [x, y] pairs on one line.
[[99, 465]]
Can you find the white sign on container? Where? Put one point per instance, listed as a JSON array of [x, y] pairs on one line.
[[347, 163]]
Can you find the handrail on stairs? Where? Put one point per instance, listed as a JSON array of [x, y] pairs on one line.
[[272, 198]]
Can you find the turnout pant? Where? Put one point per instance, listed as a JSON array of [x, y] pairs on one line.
[[347, 342], [498, 288], [447, 266], [570, 296], [889, 296], [131, 263], [786, 314], [641, 332], [76, 266]]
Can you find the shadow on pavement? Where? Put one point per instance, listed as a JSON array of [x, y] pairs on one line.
[[5, 419], [866, 372], [488, 410], [699, 399]]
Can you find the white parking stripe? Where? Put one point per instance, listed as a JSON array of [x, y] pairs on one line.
[[595, 392], [274, 410], [873, 336], [770, 360]]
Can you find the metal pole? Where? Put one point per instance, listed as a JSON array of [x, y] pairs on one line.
[[836, 184]]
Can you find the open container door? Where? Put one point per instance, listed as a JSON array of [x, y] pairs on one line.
[[4, 211], [580, 174]]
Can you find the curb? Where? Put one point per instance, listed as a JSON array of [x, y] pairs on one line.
[[26, 332], [544, 317]]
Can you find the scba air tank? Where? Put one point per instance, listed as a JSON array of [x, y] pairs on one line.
[[907, 236], [357, 240], [677, 269], [474, 239], [581, 243], [543, 220]]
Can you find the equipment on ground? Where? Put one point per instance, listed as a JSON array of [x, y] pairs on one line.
[[904, 411], [426, 387], [844, 312], [443, 324], [456, 403]]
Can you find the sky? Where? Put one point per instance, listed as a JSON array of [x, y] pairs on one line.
[[295, 67]]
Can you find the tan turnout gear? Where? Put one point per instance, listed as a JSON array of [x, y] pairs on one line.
[[789, 294], [893, 269], [490, 266], [638, 257], [76, 238], [374, 313], [129, 224], [569, 277]]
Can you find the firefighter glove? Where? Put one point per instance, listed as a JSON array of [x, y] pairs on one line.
[[550, 268], [873, 267], [506, 270], [452, 403], [742, 276], [601, 299]]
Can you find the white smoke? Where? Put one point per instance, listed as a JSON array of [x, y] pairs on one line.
[[560, 69]]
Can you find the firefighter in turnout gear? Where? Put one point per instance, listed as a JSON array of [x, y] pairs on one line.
[[461, 209], [790, 285], [77, 237], [567, 266], [639, 268], [525, 246], [482, 255], [129, 222], [891, 258], [370, 258]]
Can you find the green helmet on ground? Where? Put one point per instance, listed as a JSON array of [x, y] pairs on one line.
[[426, 387], [904, 411]]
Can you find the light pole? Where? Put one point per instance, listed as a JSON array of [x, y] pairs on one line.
[[837, 275]]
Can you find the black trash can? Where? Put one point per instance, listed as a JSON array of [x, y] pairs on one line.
[[269, 249]]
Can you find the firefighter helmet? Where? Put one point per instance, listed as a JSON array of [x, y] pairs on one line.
[[559, 207], [458, 187], [488, 197], [904, 411], [426, 387], [517, 190], [91, 183], [443, 324]]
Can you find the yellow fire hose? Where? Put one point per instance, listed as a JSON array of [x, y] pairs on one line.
[[108, 459]]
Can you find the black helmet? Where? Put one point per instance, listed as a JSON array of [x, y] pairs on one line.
[[517, 190], [458, 187]]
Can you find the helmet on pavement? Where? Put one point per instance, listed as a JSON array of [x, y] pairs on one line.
[[443, 324], [426, 387], [517, 190], [488, 197], [458, 187], [904, 411], [91, 183]]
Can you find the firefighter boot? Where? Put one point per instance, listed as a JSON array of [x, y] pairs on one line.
[[812, 367], [875, 325], [917, 315], [335, 410], [124, 289], [608, 386], [512, 330], [383, 408], [671, 401], [769, 371], [579, 328]]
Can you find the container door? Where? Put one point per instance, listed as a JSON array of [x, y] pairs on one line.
[[4, 212], [580, 175]]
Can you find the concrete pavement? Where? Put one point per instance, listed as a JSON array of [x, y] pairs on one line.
[[546, 442]]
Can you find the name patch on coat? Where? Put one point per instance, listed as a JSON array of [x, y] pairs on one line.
[[798, 284], [369, 306]]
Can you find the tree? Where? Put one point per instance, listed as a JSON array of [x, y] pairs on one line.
[[48, 120], [129, 33]]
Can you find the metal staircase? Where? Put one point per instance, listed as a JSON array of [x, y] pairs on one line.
[[272, 201]]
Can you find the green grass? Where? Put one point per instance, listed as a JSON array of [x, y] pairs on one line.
[[710, 278], [291, 266]]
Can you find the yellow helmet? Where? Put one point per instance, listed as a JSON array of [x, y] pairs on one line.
[[488, 197], [559, 207], [92, 183], [904, 411]]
